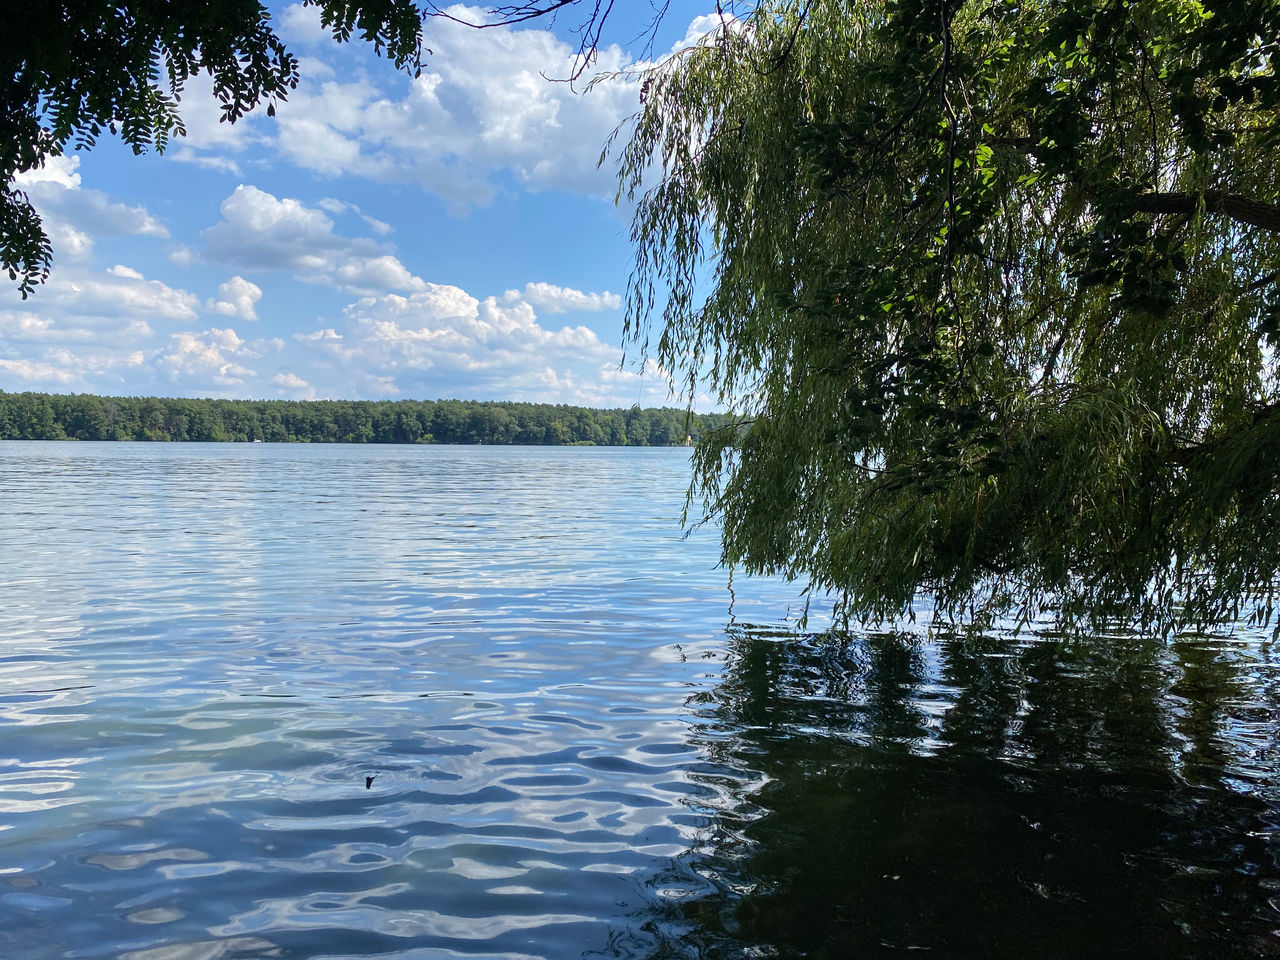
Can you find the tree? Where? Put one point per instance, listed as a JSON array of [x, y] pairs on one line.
[[69, 70], [995, 289]]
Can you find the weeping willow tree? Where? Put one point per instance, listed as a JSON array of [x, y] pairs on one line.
[[994, 288]]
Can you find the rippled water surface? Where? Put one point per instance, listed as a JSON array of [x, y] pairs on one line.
[[577, 748]]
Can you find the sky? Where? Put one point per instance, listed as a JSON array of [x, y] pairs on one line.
[[383, 237]]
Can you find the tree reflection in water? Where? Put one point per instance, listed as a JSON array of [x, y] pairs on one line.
[[980, 797]]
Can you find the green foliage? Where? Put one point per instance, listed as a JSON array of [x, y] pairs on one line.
[[46, 416], [68, 71], [994, 287]]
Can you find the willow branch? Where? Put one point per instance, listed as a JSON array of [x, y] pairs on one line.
[[1242, 209]]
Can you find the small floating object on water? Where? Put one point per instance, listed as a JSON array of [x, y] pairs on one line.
[[368, 782]]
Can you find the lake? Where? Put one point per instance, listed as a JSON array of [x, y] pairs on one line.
[[582, 742]]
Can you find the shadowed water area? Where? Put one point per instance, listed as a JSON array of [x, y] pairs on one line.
[[578, 749]]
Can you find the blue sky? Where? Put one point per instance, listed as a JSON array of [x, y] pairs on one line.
[[383, 237]]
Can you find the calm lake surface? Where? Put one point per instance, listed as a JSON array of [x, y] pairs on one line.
[[578, 748]]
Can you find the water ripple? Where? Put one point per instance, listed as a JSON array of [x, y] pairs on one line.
[[205, 651], [208, 650]]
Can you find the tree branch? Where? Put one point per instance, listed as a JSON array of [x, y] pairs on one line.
[[1239, 208], [1185, 456], [506, 15]]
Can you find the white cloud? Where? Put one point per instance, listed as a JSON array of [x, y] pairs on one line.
[[481, 106], [261, 231], [209, 138], [290, 380], [58, 368], [301, 25], [294, 385], [91, 330], [705, 28], [319, 145], [101, 332], [437, 340], [23, 325], [74, 216], [59, 170], [237, 298], [377, 275], [59, 196], [119, 292], [382, 386], [27, 327], [69, 244], [212, 355], [34, 371], [441, 341], [552, 299], [185, 154], [336, 207]]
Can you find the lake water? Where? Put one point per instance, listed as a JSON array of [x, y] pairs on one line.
[[579, 748]]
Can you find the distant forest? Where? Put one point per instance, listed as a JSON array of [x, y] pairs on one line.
[[47, 416]]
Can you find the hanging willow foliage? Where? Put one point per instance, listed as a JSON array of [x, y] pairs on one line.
[[993, 287]]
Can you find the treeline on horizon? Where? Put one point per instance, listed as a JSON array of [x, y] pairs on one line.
[[51, 416]]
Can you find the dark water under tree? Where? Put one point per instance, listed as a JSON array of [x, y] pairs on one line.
[[204, 650]]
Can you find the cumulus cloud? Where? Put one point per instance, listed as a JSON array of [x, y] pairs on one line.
[[294, 386], [261, 231], [73, 215], [33, 371], [56, 192], [106, 317], [381, 386], [63, 171], [705, 28], [119, 292], [23, 325], [442, 341], [19, 326], [116, 330], [182, 255], [375, 275], [69, 244], [552, 299], [436, 341], [185, 154], [481, 107], [213, 355], [59, 368], [237, 298], [337, 207], [209, 139], [299, 24]]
